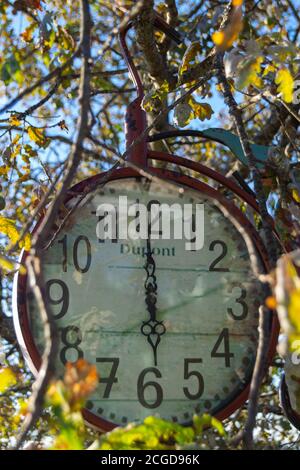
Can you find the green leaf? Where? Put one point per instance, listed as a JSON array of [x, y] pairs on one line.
[[155, 98], [186, 111], [206, 421], [9, 68], [249, 70], [183, 114]]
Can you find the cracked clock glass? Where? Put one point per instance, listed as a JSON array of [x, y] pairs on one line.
[[172, 331]]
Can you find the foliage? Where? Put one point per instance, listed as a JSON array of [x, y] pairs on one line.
[[158, 434]]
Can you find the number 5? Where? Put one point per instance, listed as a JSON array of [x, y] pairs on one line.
[[193, 373]]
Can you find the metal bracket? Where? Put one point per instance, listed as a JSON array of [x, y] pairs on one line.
[[224, 137]]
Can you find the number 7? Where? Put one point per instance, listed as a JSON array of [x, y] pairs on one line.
[[111, 379]]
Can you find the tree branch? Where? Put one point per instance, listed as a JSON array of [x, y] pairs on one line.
[[40, 82], [155, 62], [34, 261], [261, 357]]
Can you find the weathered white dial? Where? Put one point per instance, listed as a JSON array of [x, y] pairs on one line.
[[207, 301]]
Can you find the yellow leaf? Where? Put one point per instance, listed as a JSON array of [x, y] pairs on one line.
[[14, 121], [6, 264], [269, 69], [7, 379], [189, 56], [224, 39], [201, 111], [37, 136], [294, 309], [16, 139], [15, 151], [26, 242], [218, 37], [27, 34], [296, 195], [285, 83], [4, 170], [7, 227]]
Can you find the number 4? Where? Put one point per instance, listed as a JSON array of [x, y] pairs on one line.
[[224, 337]]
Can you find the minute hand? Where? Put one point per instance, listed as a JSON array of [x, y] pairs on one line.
[[152, 329]]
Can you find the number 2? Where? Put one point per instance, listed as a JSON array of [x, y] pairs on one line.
[[213, 265]]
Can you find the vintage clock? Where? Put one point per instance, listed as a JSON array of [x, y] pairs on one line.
[[172, 331]]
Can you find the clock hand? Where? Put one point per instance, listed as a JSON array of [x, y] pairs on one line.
[[152, 329]]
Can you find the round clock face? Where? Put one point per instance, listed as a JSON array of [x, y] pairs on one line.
[[171, 327]]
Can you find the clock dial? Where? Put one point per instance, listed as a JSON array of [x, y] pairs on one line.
[[206, 309]]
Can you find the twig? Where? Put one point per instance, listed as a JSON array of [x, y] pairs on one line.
[[263, 343], [40, 103], [40, 82]]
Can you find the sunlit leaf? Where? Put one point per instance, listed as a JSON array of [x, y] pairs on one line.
[[27, 33], [294, 309], [37, 136], [189, 56], [14, 120], [4, 170], [201, 111], [80, 379], [6, 264], [285, 83], [249, 71], [224, 39], [7, 379], [7, 227]]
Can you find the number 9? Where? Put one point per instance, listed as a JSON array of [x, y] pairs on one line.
[[63, 299]]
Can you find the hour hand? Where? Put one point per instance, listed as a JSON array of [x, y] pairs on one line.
[[153, 330]]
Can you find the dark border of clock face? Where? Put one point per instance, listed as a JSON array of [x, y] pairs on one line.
[[285, 401], [181, 180]]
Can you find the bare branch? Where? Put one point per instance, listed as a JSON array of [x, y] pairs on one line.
[[155, 62], [260, 362], [34, 264]]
